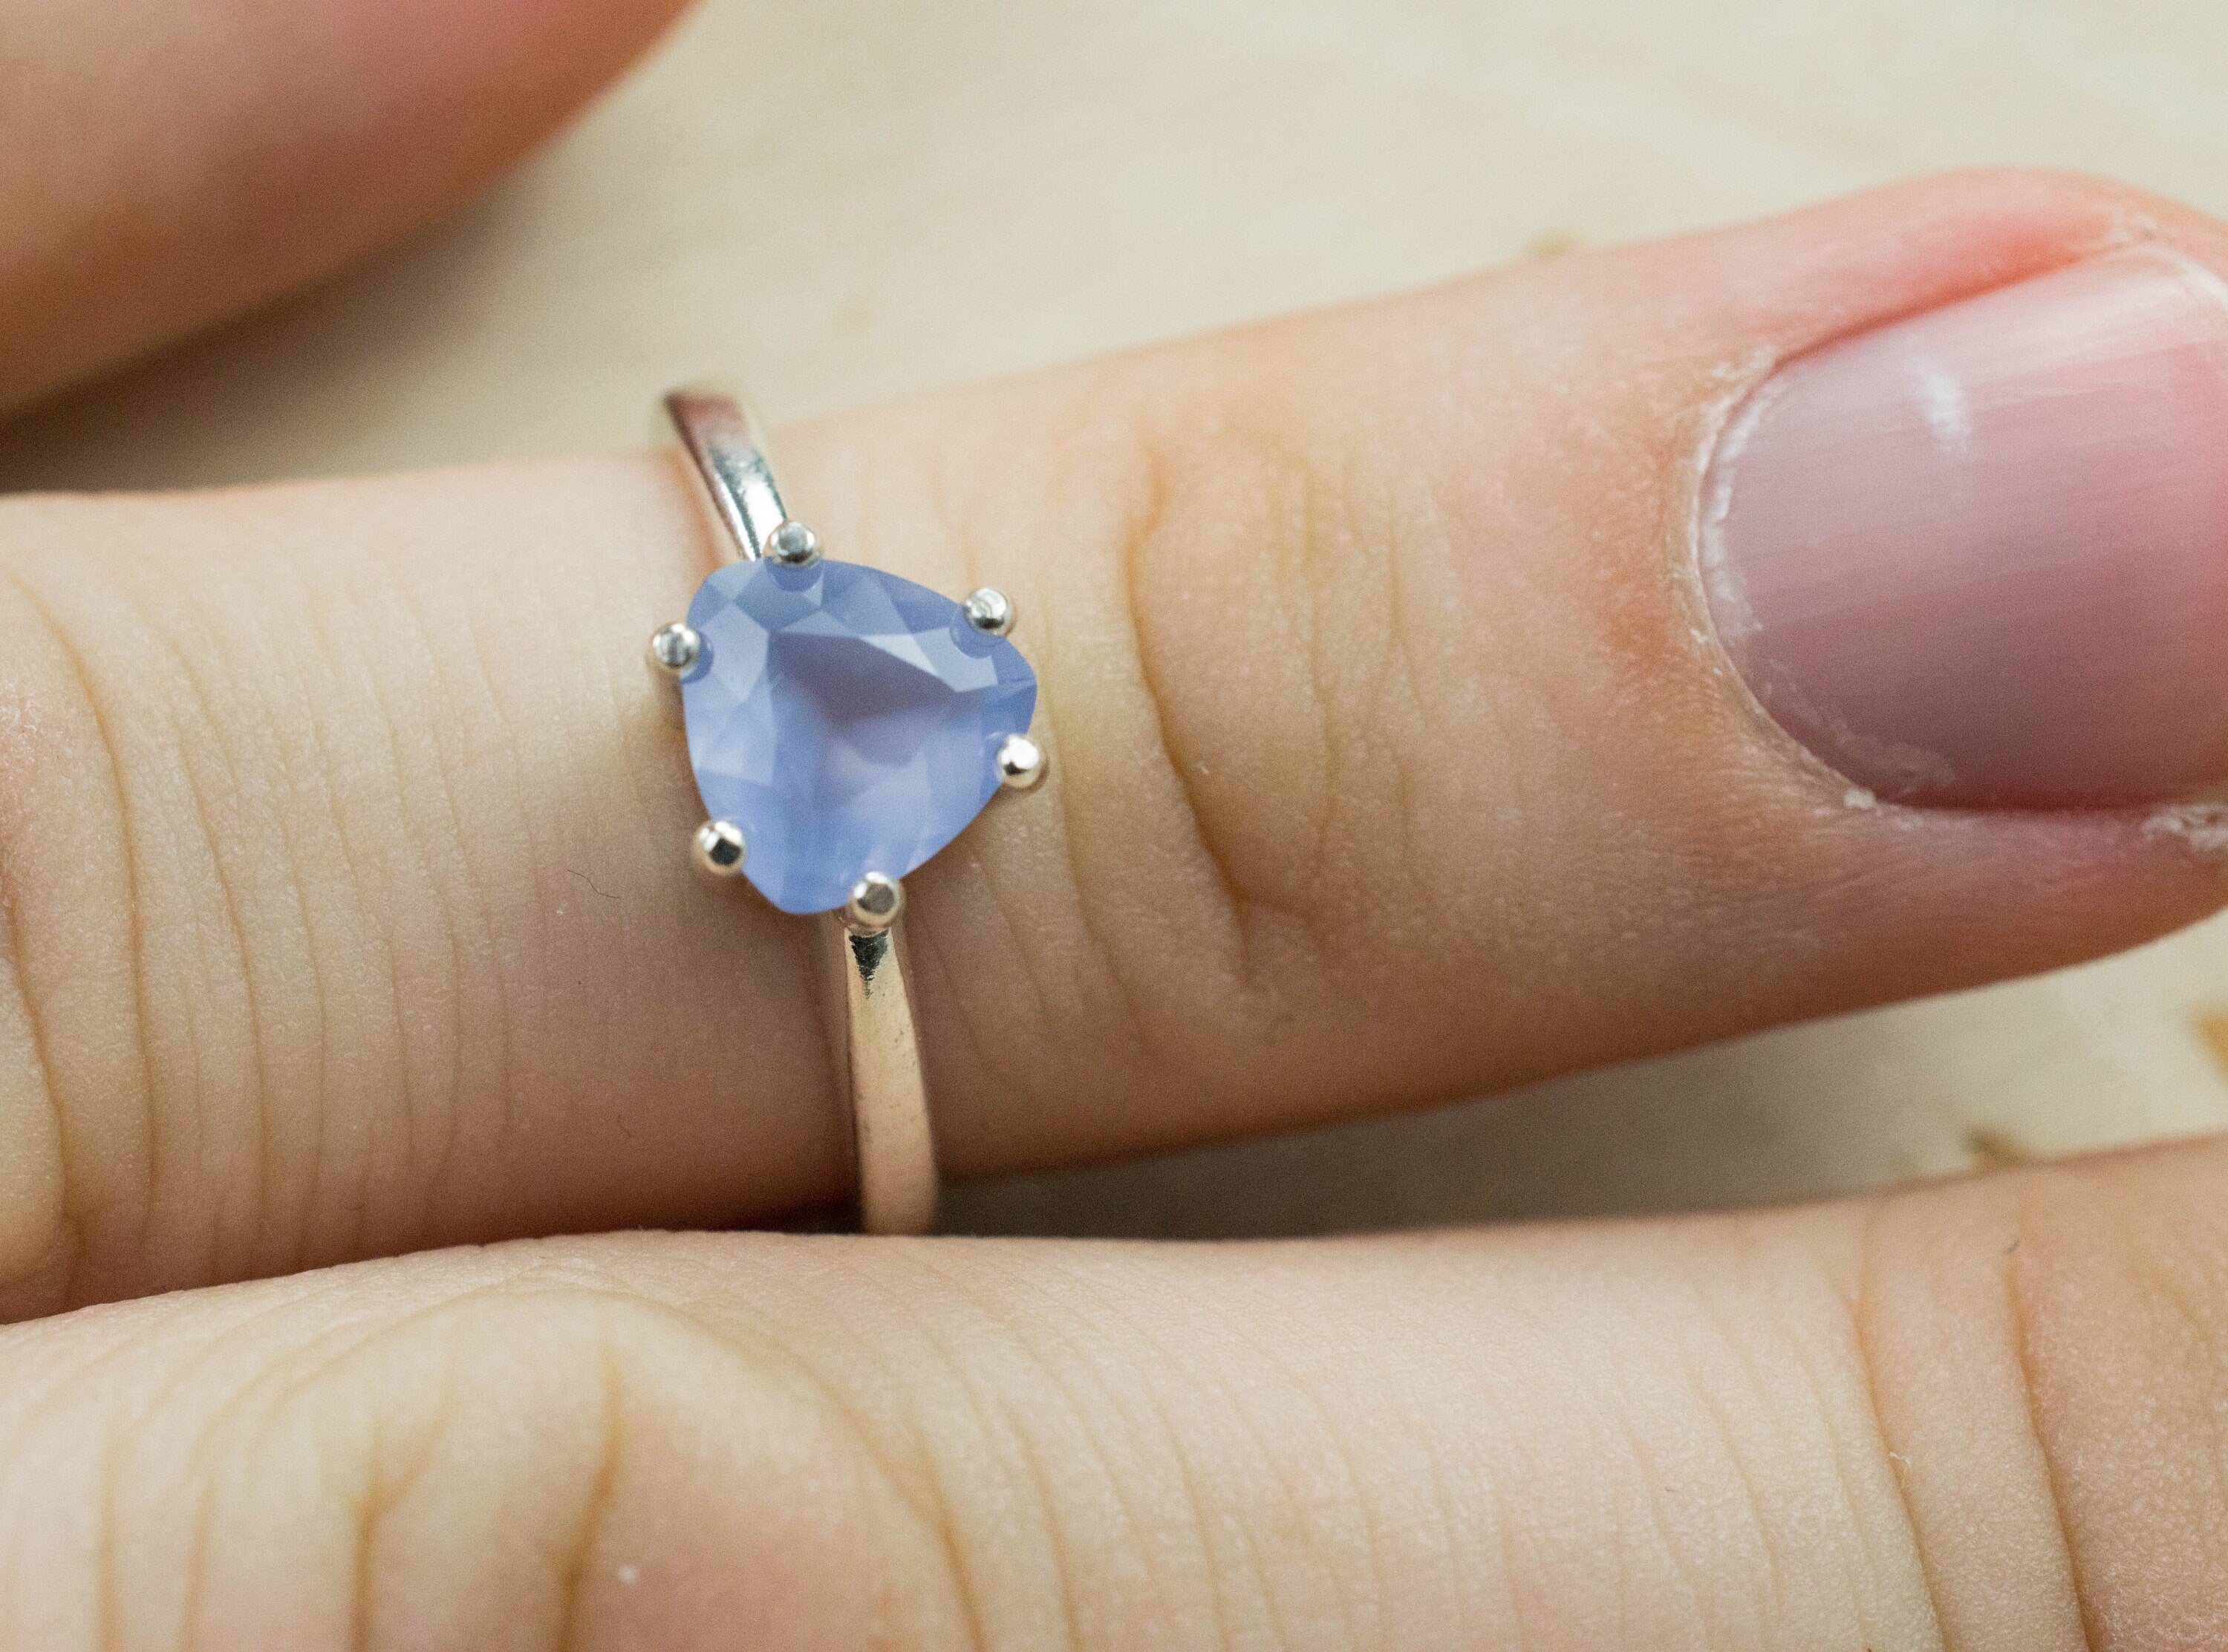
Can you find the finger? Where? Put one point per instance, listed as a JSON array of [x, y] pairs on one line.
[[166, 162], [1982, 1416], [1393, 757]]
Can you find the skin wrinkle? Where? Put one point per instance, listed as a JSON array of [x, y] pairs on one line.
[[516, 1111], [2205, 1330], [1867, 1372], [1619, 1428], [595, 1505], [307, 1366], [937, 1522], [1036, 966], [985, 1030], [510, 739], [987, 1025], [1852, 1507], [57, 1391], [1332, 549], [204, 1523], [108, 1574], [1280, 494], [1329, 1430], [932, 1512], [1042, 1478], [1202, 1529], [450, 1125], [1714, 1406], [935, 1513], [1758, 1383], [413, 734], [352, 1198], [1092, 921], [373, 1509], [409, 1104], [1423, 1445], [1663, 1525], [1148, 532], [332, 820], [2162, 1283], [379, 1504], [66, 1241], [182, 1110], [2026, 1357], [482, 691], [11, 981], [352, 1338], [126, 842], [1396, 687], [1822, 1412], [996, 1415], [290, 1235], [205, 747], [1140, 1329], [287, 1232], [134, 1422], [1294, 1497]]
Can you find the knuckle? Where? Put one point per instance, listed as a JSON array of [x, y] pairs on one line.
[[1238, 747], [1229, 643], [545, 1458], [1264, 586]]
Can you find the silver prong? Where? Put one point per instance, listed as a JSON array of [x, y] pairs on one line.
[[1021, 763], [876, 902], [674, 649], [989, 609], [793, 546], [719, 848]]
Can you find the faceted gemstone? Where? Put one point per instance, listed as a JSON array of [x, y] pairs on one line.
[[849, 721]]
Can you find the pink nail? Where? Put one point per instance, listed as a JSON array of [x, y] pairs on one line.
[[1981, 556]]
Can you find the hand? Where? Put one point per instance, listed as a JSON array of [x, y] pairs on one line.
[[1401, 752]]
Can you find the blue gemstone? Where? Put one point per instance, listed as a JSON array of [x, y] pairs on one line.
[[849, 721]]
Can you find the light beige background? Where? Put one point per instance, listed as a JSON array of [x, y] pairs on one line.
[[849, 201]]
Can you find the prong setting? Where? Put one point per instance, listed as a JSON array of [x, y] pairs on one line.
[[1021, 764], [720, 849], [990, 610], [876, 903], [793, 544], [674, 649]]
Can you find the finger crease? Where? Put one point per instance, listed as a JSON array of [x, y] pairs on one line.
[[2023, 1356], [126, 844], [1869, 1374]]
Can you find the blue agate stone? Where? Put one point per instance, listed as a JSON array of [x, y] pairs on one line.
[[846, 720]]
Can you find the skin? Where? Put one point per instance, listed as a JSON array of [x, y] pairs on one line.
[[341, 854]]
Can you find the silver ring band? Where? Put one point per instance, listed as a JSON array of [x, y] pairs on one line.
[[876, 1046]]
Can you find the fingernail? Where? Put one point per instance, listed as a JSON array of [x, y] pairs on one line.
[[1980, 557]]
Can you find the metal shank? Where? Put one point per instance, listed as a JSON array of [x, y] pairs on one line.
[[878, 1050], [889, 1093], [730, 455]]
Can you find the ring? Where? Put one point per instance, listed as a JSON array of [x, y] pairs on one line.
[[843, 725]]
